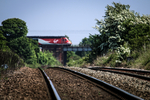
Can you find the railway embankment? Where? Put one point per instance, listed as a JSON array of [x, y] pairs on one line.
[[25, 83], [73, 87], [135, 86]]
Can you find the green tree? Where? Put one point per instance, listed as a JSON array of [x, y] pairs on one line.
[[47, 58], [24, 48], [3, 42], [114, 30], [110, 28], [72, 56], [115, 27], [85, 42], [35, 45], [96, 49], [13, 28], [139, 36]]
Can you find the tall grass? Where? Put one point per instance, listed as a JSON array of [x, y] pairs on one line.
[[12, 60], [140, 59]]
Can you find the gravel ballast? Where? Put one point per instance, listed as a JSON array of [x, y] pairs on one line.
[[72, 87], [24, 84], [132, 85]]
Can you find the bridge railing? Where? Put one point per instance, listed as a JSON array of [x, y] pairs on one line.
[[80, 46], [77, 48]]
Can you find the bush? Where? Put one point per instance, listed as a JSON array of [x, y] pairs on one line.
[[47, 58], [77, 63], [11, 59], [24, 47], [112, 60], [140, 59]]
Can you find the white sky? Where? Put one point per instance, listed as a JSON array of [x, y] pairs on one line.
[[74, 18]]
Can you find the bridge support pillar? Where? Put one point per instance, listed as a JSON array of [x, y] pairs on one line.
[[65, 58]]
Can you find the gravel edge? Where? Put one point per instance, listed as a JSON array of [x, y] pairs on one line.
[[135, 86]]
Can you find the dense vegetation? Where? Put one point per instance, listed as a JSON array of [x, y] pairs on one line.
[[15, 47], [122, 32], [124, 39]]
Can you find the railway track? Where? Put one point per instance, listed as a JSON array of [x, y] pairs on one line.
[[52, 93], [145, 75], [75, 81]]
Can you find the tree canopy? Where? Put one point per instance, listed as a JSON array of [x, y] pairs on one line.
[[85, 42], [13, 28], [120, 27], [13, 32], [117, 23], [24, 48], [3, 42], [139, 36]]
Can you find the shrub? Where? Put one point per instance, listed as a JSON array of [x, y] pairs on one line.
[[47, 58], [11, 59]]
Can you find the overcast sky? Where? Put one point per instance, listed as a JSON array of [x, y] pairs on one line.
[[74, 18]]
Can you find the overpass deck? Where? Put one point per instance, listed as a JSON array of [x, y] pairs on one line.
[[77, 48]]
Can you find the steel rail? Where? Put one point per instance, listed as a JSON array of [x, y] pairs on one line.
[[53, 93], [129, 74], [114, 89], [143, 71]]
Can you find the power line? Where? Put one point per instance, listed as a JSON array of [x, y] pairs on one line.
[[65, 31]]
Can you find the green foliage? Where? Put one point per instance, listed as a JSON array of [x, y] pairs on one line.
[[135, 54], [32, 58], [121, 31], [85, 42], [112, 60], [139, 36], [115, 42], [24, 48], [34, 65], [111, 29], [42, 58], [98, 47], [34, 45], [11, 59], [117, 22], [122, 53], [120, 26], [47, 58], [72, 56], [141, 58], [71, 63], [3, 42], [13, 28], [77, 63], [75, 60]]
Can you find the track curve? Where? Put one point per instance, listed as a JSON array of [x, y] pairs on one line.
[[130, 72], [109, 88], [53, 95]]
